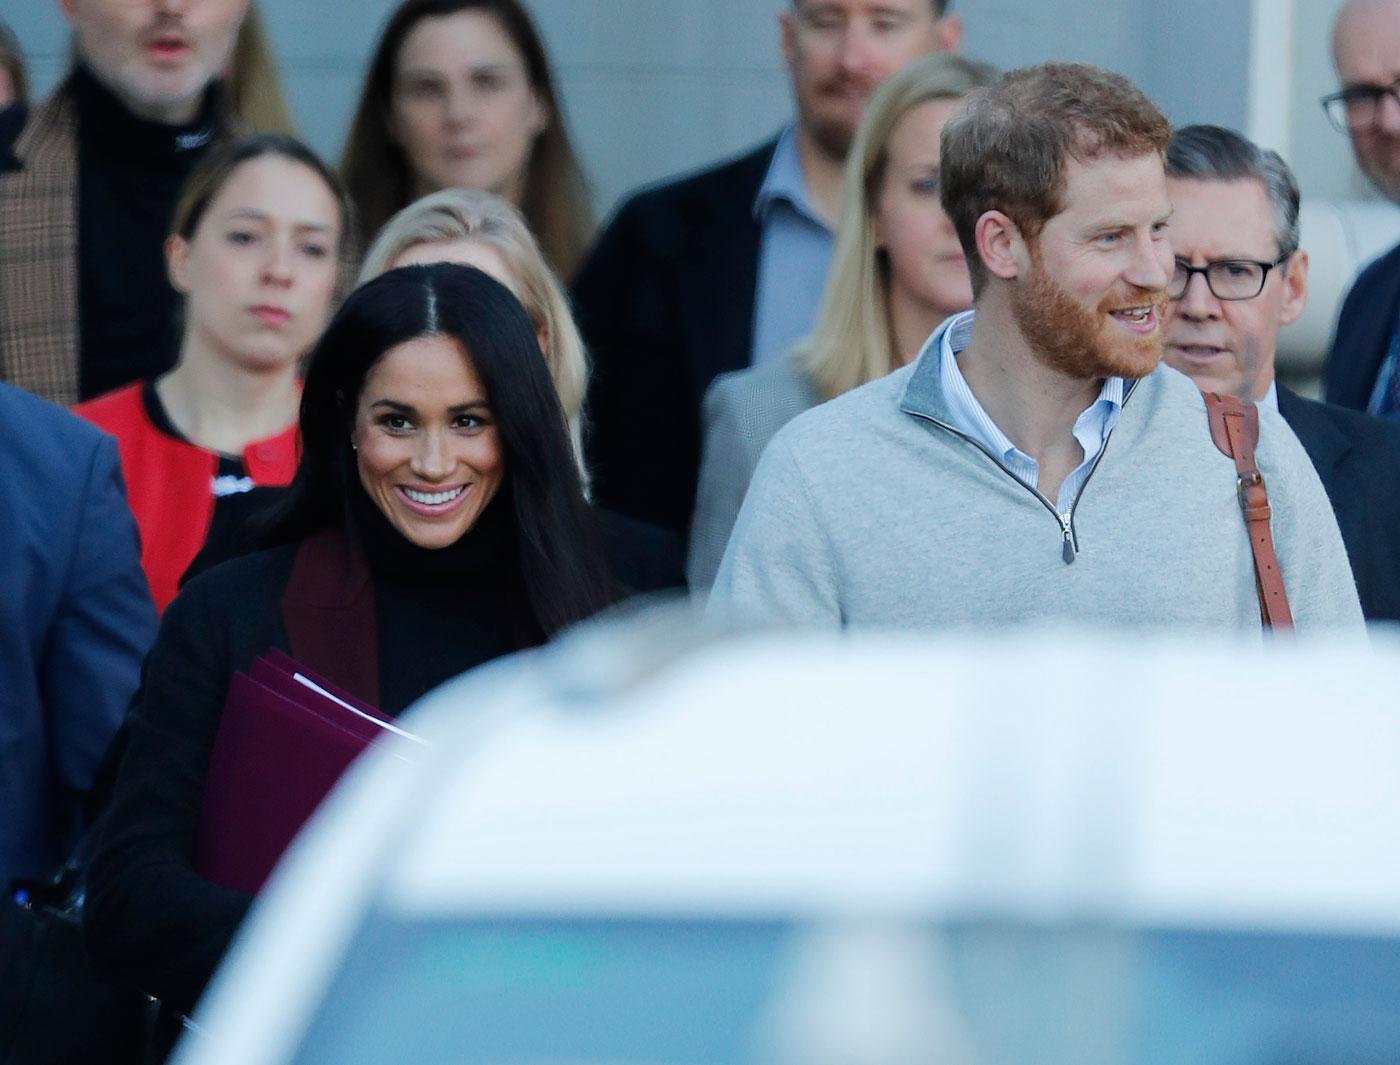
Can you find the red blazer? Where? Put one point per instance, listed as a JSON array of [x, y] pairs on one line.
[[168, 482]]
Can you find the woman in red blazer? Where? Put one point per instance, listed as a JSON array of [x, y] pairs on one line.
[[254, 251]]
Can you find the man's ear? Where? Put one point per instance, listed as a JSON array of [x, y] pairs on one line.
[[949, 33], [177, 256], [1000, 246], [1295, 288], [788, 31]]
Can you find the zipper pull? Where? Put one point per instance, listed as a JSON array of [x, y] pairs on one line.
[[1068, 552]]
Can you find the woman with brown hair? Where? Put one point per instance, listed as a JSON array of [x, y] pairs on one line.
[[254, 250], [459, 94]]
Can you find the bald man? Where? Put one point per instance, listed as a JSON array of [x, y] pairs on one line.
[[1361, 370]]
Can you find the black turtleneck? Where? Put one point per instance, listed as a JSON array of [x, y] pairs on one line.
[[439, 612], [129, 176]]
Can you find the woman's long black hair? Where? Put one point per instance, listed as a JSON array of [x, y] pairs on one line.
[[562, 567]]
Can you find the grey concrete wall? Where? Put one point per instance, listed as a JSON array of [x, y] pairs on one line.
[[1319, 155], [653, 87]]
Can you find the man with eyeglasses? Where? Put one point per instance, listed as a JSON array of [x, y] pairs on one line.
[[1240, 277], [1361, 370]]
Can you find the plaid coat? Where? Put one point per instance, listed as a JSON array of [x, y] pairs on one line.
[[39, 255]]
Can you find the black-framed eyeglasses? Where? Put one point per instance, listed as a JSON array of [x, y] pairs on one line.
[[1227, 279], [1358, 106]]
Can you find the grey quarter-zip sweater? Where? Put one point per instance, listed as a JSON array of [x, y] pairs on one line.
[[872, 510]]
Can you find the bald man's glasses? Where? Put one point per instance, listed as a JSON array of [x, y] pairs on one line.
[[1357, 107], [1227, 279]]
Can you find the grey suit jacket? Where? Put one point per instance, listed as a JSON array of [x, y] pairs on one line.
[[741, 412]]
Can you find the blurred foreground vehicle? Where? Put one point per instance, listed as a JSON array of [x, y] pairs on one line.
[[866, 851]]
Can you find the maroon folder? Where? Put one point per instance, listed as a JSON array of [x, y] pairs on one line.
[[280, 748]]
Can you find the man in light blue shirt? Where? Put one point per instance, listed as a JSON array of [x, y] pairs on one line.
[[794, 254], [837, 52], [1035, 464], [717, 270], [1090, 429]]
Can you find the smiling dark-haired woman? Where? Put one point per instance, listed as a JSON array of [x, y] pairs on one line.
[[435, 522]]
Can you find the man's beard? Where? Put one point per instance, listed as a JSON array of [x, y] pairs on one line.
[[832, 134], [833, 137], [1084, 344]]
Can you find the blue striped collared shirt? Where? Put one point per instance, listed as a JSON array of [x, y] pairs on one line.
[[1091, 428]]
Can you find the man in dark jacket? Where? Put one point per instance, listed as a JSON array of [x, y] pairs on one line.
[[1361, 370], [725, 268], [75, 622], [87, 188], [1240, 277]]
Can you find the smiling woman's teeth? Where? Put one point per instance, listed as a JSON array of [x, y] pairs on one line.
[[433, 498]]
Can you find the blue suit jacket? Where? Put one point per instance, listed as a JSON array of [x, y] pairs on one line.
[[75, 622], [1364, 329], [1357, 458]]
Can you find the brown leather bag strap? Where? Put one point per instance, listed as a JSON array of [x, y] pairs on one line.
[[1234, 426]]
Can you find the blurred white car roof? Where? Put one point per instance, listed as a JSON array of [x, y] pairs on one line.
[[638, 769]]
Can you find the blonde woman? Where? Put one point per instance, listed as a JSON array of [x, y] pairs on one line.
[[480, 229], [897, 271]]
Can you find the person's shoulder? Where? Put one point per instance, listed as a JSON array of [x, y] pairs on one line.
[[250, 584], [862, 413], [737, 177], [1368, 437], [1170, 387], [30, 423], [254, 568], [644, 557], [1167, 401], [1382, 272], [659, 226], [114, 410], [778, 386], [30, 133]]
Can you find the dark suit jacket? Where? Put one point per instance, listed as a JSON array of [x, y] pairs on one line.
[[642, 557], [1364, 329], [665, 302], [75, 622], [1358, 461]]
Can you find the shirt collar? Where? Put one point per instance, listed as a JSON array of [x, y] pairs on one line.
[[927, 391], [1271, 396], [785, 182]]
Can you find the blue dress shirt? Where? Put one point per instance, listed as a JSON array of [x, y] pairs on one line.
[[1091, 428], [793, 257]]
